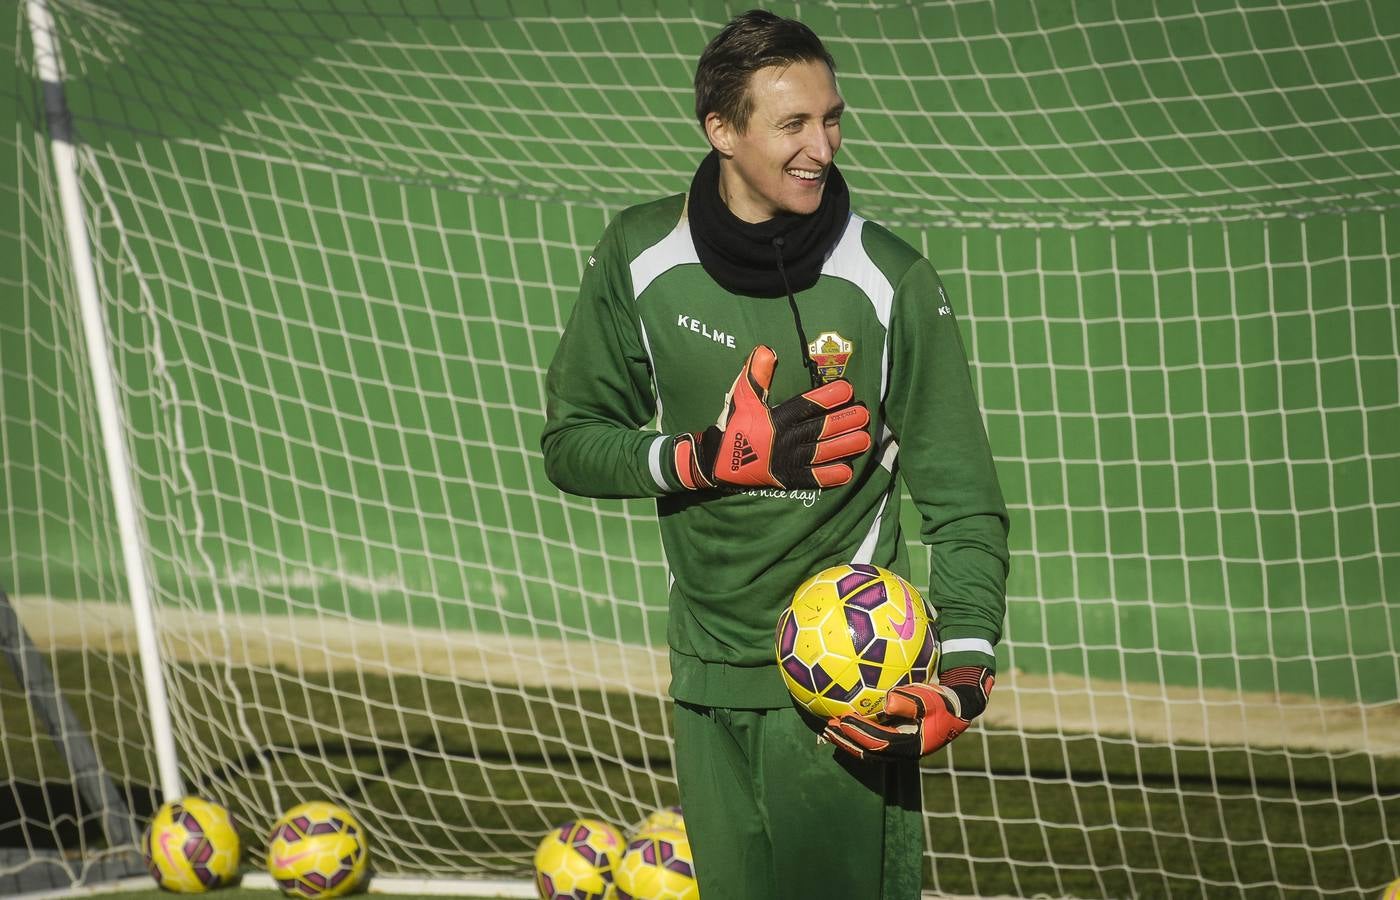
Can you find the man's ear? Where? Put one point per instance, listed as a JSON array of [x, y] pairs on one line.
[[720, 133]]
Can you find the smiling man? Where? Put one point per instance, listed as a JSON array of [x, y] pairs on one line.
[[776, 158], [763, 260]]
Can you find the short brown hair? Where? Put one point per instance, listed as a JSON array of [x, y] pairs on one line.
[[751, 41]]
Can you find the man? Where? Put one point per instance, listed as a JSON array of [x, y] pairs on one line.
[[763, 263]]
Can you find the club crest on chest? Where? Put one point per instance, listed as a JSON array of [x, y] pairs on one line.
[[831, 353]]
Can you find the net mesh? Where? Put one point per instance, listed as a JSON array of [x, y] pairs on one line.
[[335, 246]]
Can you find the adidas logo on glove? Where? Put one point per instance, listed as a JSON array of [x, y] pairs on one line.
[[743, 453]]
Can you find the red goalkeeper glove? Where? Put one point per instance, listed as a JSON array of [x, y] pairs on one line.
[[917, 719], [803, 442]]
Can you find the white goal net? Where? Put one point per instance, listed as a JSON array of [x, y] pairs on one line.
[[334, 244]]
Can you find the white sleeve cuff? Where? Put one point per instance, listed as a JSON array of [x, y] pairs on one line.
[[654, 461], [968, 645]]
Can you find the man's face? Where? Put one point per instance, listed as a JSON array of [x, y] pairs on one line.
[[780, 162]]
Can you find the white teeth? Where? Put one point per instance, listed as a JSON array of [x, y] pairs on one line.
[[806, 176]]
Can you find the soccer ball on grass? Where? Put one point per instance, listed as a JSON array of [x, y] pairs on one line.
[[317, 849], [851, 633], [576, 861], [667, 817], [191, 846], [658, 866]]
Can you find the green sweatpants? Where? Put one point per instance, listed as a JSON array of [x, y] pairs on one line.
[[771, 815]]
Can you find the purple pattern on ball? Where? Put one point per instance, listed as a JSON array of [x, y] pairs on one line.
[[799, 672], [848, 584], [681, 866], [845, 695], [924, 660], [820, 680], [788, 631], [860, 627], [870, 675], [868, 597], [867, 568]]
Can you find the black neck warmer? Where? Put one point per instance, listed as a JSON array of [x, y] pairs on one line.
[[767, 259]]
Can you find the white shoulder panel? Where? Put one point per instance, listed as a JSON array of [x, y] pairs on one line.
[[850, 262], [675, 249]]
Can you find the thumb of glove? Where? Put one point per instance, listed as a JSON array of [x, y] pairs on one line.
[[758, 371], [915, 701], [750, 388]]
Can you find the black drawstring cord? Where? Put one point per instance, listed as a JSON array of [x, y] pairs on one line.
[[796, 317]]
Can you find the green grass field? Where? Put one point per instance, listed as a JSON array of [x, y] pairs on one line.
[[1074, 810]]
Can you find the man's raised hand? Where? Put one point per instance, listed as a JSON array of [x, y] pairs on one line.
[[804, 442]]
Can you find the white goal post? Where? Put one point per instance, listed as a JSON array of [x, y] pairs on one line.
[[285, 277]]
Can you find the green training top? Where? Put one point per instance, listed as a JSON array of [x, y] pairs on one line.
[[654, 343]]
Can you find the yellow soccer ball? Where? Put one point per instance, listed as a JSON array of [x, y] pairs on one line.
[[1392, 891], [577, 861], [665, 818], [851, 633], [658, 866], [317, 849], [191, 846]]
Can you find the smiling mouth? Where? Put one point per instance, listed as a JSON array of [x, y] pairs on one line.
[[805, 175]]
